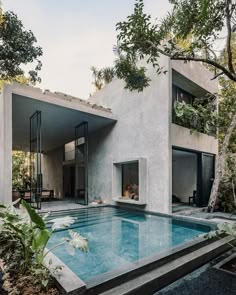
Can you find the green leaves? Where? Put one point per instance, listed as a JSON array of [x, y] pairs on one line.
[[197, 117], [17, 48], [134, 77], [35, 217], [40, 239], [25, 229], [102, 76], [188, 32]]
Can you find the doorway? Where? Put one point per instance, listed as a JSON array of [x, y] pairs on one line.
[[69, 181], [192, 177]]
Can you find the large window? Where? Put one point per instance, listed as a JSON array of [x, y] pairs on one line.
[[130, 180], [181, 95], [69, 151]]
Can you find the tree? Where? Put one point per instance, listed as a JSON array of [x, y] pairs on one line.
[[17, 48], [200, 22], [20, 170], [102, 76]]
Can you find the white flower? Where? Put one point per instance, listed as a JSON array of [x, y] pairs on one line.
[[62, 222], [78, 241]]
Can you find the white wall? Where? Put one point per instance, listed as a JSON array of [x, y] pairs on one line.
[[184, 138], [184, 175], [142, 130], [52, 171], [6, 145]]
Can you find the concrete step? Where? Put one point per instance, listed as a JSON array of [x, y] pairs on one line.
[[162, 276]]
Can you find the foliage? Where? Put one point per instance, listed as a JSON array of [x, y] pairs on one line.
[[188, 33], [20, 170], [25, 231], [201, 116], [102, 76], [18, 48], [134, 77], [227, 109], [199, 22], [227, 194], [19, 79], [223, 228]]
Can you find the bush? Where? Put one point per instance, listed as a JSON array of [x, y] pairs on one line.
[[23, 240]]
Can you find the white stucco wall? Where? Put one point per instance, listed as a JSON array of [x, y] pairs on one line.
[[142, 130], [6, 145], [184, 176], [52, 171], [182, 137], [197, 73]]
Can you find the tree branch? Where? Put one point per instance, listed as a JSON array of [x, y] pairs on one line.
[[224, 70], [230, 75], [217, 75], [228, 39]]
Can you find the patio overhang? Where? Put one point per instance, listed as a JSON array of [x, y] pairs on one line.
[[60, 114]]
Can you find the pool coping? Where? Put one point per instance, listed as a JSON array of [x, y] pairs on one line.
[[66, 280], [69, 283]]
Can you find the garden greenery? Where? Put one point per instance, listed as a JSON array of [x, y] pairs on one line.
[[199, 116], [23, 238]]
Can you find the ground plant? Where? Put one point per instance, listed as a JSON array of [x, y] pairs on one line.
[[23, 238]]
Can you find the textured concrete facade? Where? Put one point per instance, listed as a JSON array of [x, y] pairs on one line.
[[142, 130], [145, 129], [52, 171], [139, 126], [5, 145], [184, 138]]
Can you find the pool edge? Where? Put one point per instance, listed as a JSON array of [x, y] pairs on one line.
[[66, 280]]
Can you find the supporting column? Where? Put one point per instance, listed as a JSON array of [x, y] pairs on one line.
[[6, 145]]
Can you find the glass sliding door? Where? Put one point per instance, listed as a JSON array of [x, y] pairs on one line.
[[35, 160], [81, 163]]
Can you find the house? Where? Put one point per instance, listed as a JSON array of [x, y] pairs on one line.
[[119, 146]]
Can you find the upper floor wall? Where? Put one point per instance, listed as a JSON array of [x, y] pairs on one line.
[[193, 77]]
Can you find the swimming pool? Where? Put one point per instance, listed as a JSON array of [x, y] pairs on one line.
[[119, 239]]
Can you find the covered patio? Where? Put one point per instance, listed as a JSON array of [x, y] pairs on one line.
[[60, 119]]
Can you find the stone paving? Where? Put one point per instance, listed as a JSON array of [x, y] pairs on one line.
[[204, 281]]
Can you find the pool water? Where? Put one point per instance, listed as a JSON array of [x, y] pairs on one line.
[[118, 238]]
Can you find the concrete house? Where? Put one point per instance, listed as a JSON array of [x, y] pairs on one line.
[[119, 146]]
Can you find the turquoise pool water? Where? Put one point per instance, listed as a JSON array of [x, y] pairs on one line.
[[119, 238]]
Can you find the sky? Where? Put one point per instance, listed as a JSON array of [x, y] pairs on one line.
[[75, 35]]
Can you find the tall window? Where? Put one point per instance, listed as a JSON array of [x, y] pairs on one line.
[[69, 151]]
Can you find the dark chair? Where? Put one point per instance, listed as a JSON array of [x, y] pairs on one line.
[[192, 199]]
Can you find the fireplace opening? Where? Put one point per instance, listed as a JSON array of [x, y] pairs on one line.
[[130, 180]]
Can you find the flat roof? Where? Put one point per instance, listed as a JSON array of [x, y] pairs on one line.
[[60, 114]]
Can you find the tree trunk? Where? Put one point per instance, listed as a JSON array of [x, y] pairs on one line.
[[220, 165]]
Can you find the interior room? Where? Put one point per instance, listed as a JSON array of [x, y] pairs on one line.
[[184, 177]]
